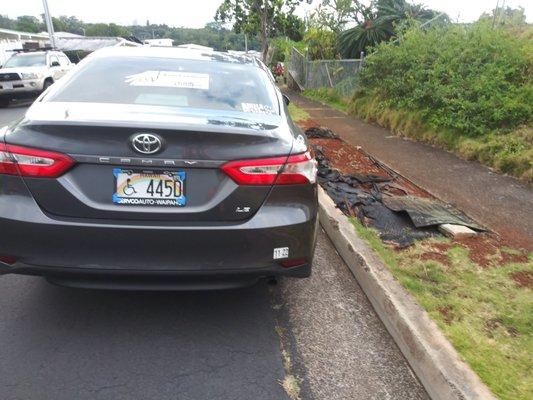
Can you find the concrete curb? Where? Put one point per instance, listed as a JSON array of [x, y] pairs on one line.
[[433, 359]]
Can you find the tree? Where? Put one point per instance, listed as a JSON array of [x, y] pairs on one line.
[[507, 16], [321, 44], [357, 39], [68, 24], [256, 17], [333, 14], [28, 23], [107, 30], [289, 25], [6, 22], [378, 21], [394, 12], [214, 26], [513, 16], [213, 35]]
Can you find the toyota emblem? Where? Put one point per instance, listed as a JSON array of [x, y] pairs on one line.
[[147, 143]]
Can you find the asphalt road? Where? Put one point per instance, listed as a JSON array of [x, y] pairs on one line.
[[12, 113], [58, 343]]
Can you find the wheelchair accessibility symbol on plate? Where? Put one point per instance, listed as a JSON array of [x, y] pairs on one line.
[[129, 190]]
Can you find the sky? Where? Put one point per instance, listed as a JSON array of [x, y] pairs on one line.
[[196, 13]]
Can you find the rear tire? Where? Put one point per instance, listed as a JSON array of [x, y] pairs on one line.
[[272, 280], [4, 103]]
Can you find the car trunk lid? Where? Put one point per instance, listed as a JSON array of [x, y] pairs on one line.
[[99, 139]]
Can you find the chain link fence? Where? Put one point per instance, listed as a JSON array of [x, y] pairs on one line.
[[337, 74], [297, 67]]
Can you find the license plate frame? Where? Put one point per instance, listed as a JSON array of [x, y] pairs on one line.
[[132, 187], [7, 85]]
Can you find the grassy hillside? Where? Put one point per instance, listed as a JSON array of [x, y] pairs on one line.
[[467, 89]]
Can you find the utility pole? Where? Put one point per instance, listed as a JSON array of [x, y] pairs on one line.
[[501, 16], [246, 43], [495, 12], [49, 25]]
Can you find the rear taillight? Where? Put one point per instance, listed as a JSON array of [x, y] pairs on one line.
[[9, 260], [297, 169], [15, 160]]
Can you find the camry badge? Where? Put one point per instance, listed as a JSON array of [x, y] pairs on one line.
[[146, 143]]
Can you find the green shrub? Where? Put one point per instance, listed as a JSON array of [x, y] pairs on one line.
[[509, 152], [282, 49], [465, 88], [470, 80], [321, 44]]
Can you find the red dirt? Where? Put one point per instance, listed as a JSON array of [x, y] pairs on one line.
[[480, 249], [442, 247], [523, 278], [347, 159], [508, 258], [446, 313], [435, 256], [515, 239], [483, 249], [350, 160], [308, 123]]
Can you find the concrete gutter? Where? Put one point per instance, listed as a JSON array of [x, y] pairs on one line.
[[433, 359]]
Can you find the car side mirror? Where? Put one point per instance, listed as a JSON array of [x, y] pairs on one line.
[[55, 64], [286, 99]]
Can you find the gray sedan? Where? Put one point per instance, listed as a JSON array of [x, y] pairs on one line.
[[154, 168]]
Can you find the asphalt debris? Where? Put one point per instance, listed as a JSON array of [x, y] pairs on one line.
[[361, 196], [428, 212], [383, 199], [377, 196], [320, 132]]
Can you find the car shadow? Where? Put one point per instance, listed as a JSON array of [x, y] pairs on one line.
[[129, 306]]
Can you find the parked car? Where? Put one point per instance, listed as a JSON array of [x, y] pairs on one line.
[[28, 74], [156, 168]]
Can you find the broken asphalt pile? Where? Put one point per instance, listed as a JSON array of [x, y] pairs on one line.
[[385, 200]]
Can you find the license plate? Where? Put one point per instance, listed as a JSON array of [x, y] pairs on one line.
[[7, 85], [149, 188]]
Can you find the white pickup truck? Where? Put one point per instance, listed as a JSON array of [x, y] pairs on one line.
[[27, 74]]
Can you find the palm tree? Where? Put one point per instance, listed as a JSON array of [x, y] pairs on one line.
[[371, 32], [397, 11], [379, 24]]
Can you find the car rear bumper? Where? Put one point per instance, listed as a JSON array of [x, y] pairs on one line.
[[96, 257], [94, 250], [112, 279]]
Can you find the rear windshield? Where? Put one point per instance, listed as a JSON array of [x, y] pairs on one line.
[[26, 60], [171, 82]]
